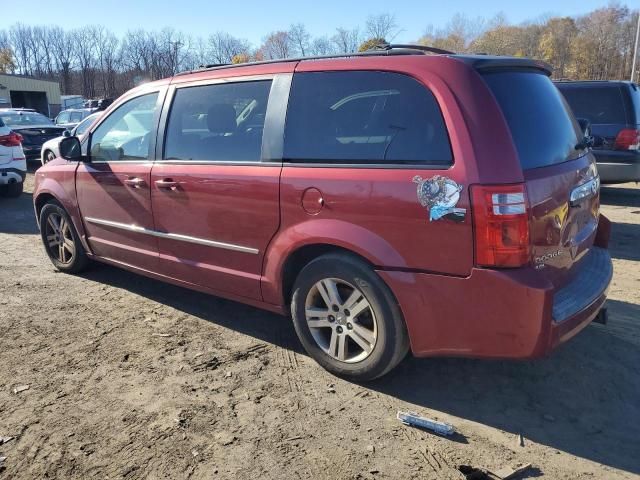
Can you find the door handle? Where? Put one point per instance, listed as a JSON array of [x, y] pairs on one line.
[[166, 184], [134, 182]]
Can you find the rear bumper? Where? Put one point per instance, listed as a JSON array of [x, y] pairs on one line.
[[12, 175], [493, 313], [618, 166]]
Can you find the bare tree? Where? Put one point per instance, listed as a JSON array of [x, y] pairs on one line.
[[300, 39], [84, 39], [223, 47], [381, 26], [346, 41], [63, 50], [322, 46], [277, 45]]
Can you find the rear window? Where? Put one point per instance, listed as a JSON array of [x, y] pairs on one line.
[[542, 126], [599, 105], [364, 118]]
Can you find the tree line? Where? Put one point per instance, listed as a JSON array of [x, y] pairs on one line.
[[93, 62]]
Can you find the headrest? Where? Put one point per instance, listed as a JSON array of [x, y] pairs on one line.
[[221, 118]]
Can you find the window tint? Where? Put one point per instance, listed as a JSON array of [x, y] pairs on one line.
[[125, 134], [217, 122], [364, 117], [599, 105], [542, 126]]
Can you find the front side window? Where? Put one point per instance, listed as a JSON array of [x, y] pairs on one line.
[[365, 118], [126, 133], [221, 122]]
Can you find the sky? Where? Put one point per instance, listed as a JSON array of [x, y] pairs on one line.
[[253, 19]]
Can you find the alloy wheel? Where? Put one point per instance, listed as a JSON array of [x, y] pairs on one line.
[[341, 320], [60, 242]]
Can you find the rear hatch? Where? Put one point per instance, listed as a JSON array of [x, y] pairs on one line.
[[613, 108], [555, 167]]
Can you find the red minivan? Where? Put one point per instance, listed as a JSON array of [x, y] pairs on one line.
[[387, 201]]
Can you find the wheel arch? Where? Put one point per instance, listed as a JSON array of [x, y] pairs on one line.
[[297, 245]]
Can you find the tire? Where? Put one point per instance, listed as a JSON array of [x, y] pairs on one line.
[[13, 190], [48, 156], [71, 257], [374, 335]]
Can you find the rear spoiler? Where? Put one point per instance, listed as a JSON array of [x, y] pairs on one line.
[[486, 63]]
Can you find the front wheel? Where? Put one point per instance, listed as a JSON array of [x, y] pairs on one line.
[[347, 319], [60, 239], [48, 156]]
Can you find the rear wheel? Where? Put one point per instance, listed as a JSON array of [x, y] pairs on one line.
[[347, 319], [60, 239], [13, 189]]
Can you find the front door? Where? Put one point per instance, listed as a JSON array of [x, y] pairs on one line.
[[114, 186], [215, 198]]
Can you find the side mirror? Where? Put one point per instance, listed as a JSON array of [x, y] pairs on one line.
[[70, 149], [66, 133]]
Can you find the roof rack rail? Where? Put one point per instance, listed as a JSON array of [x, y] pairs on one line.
[[386, 49], [408, 46], [213, 65]]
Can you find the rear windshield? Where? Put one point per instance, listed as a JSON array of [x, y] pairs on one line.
[[20, 119], [599, 105], [542, 126]]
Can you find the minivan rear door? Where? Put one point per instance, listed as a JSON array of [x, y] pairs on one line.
[[562, 183]]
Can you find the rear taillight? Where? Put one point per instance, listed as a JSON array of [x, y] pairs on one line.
[[501, 225], [12, 140], [628, 139]]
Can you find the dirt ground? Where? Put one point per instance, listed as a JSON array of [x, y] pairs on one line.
[[132, 378]]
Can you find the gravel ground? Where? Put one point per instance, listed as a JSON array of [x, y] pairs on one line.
[[132, 378]]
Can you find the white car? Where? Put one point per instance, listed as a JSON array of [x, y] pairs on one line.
[[50, 148], [13, 163]]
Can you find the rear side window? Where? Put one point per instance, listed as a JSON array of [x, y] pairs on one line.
[[221, 122], [543, 128], [634, 94], [599, 105], [63, 117], [364, 118]]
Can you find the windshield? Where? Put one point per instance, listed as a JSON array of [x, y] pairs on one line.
[[543, 128], [20, 119]]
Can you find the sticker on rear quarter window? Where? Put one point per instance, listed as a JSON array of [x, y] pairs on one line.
[[440, 195]]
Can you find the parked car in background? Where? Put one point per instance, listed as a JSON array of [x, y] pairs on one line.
[[13, 164], [34, 128], [50, 147], [613, 109], [72, 117], [387, 201]]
